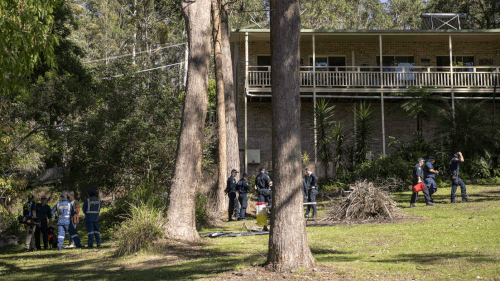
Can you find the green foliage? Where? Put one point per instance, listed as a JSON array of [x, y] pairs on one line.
[[324, 122], [306, 158], [201, 211], [24, 38], [339, 138], [363, 132], [469, 130], [422, 106], [140, 230], [481, 14]]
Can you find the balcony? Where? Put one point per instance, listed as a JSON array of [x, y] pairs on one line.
[[391, 79]]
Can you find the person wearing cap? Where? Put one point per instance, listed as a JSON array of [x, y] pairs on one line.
[[74, 219], [43, 213], [418, 176], [455, 179], [263, 184], [243, 189], [429, 176], [91, 209], [29, 211], [231, 190], [312, 191], [63, 211]]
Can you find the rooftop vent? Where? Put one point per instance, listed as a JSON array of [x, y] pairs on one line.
[[442, 21]]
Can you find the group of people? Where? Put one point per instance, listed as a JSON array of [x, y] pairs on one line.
[[238, 202], [67, 214], [237, 192], [426, 173]]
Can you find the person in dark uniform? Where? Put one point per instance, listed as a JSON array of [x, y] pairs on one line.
[[263, 186], [312, 191], [418, 176], [243, 189], [455, 179], [43, 213], [233, 199], [305, 189], [430, 175]]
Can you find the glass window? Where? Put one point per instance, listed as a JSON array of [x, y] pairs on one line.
[[328, 63], [396, 61], [263, 61], [457, 61]]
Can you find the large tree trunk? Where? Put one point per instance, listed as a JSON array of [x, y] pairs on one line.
[[220, 200], [181, 222], [233, 151], [288, 247]]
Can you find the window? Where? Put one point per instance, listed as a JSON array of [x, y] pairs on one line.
[[457, 61], [324, 63], [396, 61], [263, 61]]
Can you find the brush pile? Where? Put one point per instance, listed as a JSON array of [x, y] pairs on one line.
[[365, 201]]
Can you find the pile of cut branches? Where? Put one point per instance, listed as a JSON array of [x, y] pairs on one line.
[[366, 201]]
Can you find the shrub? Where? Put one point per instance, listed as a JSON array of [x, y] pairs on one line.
[[201, 211], [143, 226]]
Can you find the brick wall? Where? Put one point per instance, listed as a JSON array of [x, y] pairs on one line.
[[397, 124]]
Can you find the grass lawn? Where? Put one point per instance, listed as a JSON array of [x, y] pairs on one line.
[[443, 242]]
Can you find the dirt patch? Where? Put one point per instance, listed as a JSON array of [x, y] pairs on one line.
[[319, 272]]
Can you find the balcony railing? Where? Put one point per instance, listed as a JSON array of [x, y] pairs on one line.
[[391, 76]]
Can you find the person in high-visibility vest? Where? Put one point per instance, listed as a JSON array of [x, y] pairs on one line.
[[91, 209]]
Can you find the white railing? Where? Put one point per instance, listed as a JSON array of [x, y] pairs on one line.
[[392, 76]]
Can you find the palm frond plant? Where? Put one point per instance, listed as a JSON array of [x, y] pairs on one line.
[[467, 130], [423, 105], [364, 116], [339, 139], [324, 122]]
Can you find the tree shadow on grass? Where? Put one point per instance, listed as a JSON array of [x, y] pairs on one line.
[[444, 195], [436, 258], [179, 262], [331, 255]]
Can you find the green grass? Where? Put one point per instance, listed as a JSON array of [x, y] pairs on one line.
[[443, 242]]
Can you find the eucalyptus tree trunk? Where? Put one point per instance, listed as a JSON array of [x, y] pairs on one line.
[[288, 246], [233, 151], [220, 200], [181, 221]]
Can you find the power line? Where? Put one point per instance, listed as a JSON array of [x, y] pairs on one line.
[[127, 55], [145, 70]]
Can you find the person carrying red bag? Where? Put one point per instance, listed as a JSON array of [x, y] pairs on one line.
[[418, 175]]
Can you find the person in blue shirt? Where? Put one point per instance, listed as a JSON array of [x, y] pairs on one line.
[[429, 175], [64, 211], [455, 179], [418, 176], [91, 209]]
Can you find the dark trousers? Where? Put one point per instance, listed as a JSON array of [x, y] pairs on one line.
[[93, 229], [264, 196], [242, 198], [234, 207], [312, 198], [431, 185], [415, 195], [73, 234], [44, 229], [454, 188]]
